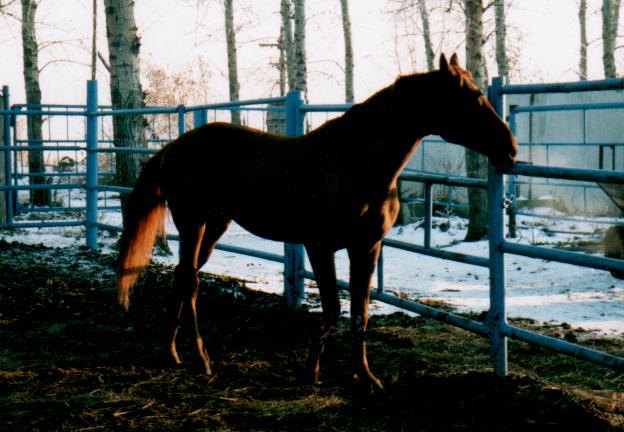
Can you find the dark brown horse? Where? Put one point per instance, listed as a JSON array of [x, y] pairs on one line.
[[330, 189]]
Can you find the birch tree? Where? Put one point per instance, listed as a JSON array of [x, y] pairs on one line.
[[610, 19], [583, 48], [501, 36], [424, 18], [125, 88], [408, 14], [346, 29], [476, 164], [230, 37], [287, 43], [36, 163], [299, 52]]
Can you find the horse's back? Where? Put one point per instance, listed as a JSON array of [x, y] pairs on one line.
[[229, 164]]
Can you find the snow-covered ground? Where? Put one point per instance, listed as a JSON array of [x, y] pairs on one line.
[[544, 291]]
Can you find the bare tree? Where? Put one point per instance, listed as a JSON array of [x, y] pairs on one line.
[[476, 164], [287, 43], [610, 19], [3, 177], [413, 17], [230, 37], [299, 55], [583, 48], [165, 88], [501, 36], [125, 89], [94, 40], [424, 17], [36, 163], [346, 28]]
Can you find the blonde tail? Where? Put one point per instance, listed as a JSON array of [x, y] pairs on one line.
[[144, 219]]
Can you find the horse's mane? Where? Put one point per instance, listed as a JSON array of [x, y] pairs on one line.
[[378, 104]]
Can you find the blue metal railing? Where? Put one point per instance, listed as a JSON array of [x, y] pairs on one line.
[[495, 327]]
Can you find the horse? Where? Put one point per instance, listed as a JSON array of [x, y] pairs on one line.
[[330, 189]]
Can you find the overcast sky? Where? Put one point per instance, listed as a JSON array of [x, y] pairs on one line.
[[174, 34]]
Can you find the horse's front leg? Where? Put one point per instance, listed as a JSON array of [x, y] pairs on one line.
[[323, 265], [362, 265]]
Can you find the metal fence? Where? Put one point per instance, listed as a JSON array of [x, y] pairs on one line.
[[294, 111]]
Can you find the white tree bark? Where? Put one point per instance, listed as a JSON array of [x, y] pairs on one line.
[[230, 36], [346, 29], [610, 18], [299, 61], [424, 17], [125, 87], [288, 46], [36, 163], [583, 47], [475, 60], [501, 36], [476, 164], [94, 40]]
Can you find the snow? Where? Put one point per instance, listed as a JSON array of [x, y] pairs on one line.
[[536, 289]]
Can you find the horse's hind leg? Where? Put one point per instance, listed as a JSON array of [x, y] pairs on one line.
[[196, 243], [323, 264], [186, 283], [362, 265]]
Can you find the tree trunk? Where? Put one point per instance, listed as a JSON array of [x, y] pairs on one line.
[[288, 43], [282, 67], [583, 48], [501, 36], [36, 163], [424, 17], [125, 88], [299, 60], [610, 18], [3, 178], [230, 37], [94, 41], [476, 164], [346, 28]]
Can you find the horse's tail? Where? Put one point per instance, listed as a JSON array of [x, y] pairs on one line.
[[145, 214]]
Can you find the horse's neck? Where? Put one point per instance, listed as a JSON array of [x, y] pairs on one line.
[[384, 140]]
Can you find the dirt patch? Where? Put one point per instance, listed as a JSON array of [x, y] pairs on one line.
[[70, 359]]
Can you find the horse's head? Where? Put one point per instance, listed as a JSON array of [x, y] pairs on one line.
[[466, 117]]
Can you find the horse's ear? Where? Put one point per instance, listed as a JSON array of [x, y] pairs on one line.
[[444, 64], [455, 60]]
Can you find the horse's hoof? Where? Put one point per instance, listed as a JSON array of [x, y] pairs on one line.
[[368, 385], [310, 378], [208, 370]]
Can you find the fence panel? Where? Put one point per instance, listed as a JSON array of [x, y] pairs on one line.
[[289, 115]]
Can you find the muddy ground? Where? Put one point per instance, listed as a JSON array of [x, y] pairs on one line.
[[71, 359]]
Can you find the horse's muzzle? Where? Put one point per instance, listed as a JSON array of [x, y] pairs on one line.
[[504, 163]]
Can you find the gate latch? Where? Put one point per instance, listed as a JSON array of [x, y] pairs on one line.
[[508, 200]]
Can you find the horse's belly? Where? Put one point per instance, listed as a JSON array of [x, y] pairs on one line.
[[286, 227]]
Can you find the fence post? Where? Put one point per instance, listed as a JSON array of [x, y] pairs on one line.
[[8, 159], [293, 253], [428, 213], [511, 187], [380, 271], [181, 120], [200, 118], [497, 317], [92, 163], [5, 160]]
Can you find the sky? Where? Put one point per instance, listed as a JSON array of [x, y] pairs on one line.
[[175, 34]]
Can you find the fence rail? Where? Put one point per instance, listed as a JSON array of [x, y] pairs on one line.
[[495, 327]]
